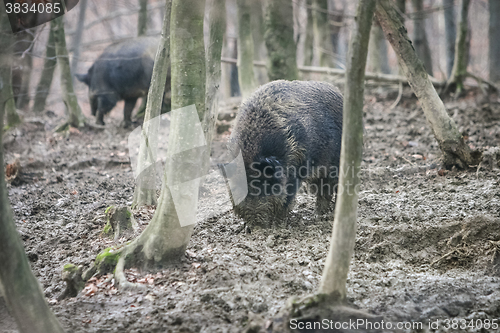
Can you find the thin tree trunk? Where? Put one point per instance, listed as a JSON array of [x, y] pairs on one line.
[[217, 26], [49, 65], [281, 48], [377, 55], [309, 38], [24, 63], [77, 39], [494, 38], [142, 25], [459, 71], [76, 118], [322, 48], [333, 281], [6, 55], [18, 285], [450, 33], [246, 78], [259, 47], [420, 36], [455, 151], [145, 190]]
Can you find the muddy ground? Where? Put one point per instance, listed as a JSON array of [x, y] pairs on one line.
[[427, 248]]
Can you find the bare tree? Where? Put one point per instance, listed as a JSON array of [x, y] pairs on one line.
[[142, 25], [420, 36], [77, 38], [459, 70], [281, 48], [259, 47], [75, 118], [245, 44], [22, 67], [49, 65], [322, 42], [451, 142], [377, 55], [333, 281], [145, 190], [450, 33], [494, 38], [6, 53], [18, 285]]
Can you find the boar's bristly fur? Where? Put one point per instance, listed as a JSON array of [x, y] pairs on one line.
[[288, 132]]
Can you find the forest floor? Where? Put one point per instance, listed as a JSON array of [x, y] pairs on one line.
[[427, 247]]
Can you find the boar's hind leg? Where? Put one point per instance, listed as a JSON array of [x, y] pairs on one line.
[[325, 191], [127, 111]]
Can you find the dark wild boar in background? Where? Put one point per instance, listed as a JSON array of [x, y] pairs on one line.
[[287, 133], [122, 72]]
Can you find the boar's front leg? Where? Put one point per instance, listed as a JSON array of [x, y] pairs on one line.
[[127, 111]]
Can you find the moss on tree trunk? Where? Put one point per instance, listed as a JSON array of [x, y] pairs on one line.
[[75, 115], [451, 143], [45, 82], [281, 49], [333, 281]]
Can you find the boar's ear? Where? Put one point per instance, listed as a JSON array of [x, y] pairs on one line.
[[85, 78]]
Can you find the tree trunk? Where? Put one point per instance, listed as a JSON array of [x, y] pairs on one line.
[[494, 38], [246, 77], [23, 67], [76, 118], [217, 26], [145, 190], [451, 143], [450, 33], [281, 48], [18, 285], [322, 43], [259, 47], [309, 38], [6, 55], [142, 25], [333, 281], [377, 55], [459, 71], [49, 65], [77, 39], [165, 239], [420, 36]]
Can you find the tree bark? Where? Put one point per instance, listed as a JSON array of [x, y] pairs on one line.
[[246, 77], [450, 33], [6, 55], [23, 67], [142, 25], [377, 50], [145, 190], [281, 48], [459, 71], [451, 143], [259, 47], [333, 281], [49, 65], [77, 39], [420, 36], [76, 118], [494, 38], [217, 26], [322, 43], [18, 285]]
